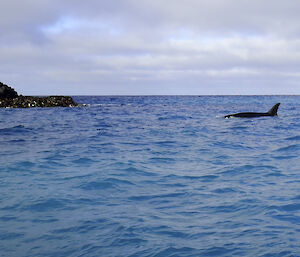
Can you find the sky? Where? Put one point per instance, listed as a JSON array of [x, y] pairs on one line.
[[150, 47]]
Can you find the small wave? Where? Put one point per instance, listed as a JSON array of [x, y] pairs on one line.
[[293, 207], [294, 138], [217, 251], [160, 196], [290, 148], [193, 252], [105, 105], [81, 229], [224, 190], [165, 143], [96, 185], [15, 130], [208, 178], [14, 141], [133, 170], [227, 208], [172, 251], [11, 236], [25, 164], [250, 168], [293, 219], [46, 205], [172, 233], [45, 220], [105, 184], [7, 218], [172, 117], [127, 242], [83, 161], [239, 170], [204, 178], [162, 159], [239, 128], [119, 181]]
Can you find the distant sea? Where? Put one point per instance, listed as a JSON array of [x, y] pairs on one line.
[[153, 176]]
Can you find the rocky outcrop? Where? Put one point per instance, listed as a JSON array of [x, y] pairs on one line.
[[10, 99], [7, 92], [35, 101]]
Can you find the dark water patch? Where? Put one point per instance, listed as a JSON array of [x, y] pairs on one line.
[[288, 156], [128, 242], [232, 145], [7, 218], [75, 177], [16, 130], [15, 141], [225, 190], [52, 165], [140, 172], [174, 252], [172, 118], [25, 164], [289, 218], [54, 156], [279, 254], [165, 143], [294, 207], [81, 229], [207, 178], [290, 207], [10, 207], [46, 205], [170, 233], [239, 170], [10, 236], [195, 178], [251, 169], [188, 214], [289, 148], [89, 250], [227, 208], [83, 161], [162, 160], [23, 168], [45, 220], [119, 181], [293, 138], [171, 185], [217, 251], [158, 196], [104, 125], [97, 185], [275, 174], [239, 128]]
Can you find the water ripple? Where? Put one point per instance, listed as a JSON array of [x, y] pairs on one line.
[[151, 176]]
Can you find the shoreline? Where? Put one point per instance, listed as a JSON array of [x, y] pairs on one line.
[[35, 101]]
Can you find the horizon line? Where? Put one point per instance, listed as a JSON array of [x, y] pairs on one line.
[[198, 95]]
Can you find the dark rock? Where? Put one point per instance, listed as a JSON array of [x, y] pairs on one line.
[[10, 99], [35, 101], [7, 92]]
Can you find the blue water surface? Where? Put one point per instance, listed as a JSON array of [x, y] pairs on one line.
[[151, 176]]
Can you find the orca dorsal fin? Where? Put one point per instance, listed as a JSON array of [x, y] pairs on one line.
[[273, 110]]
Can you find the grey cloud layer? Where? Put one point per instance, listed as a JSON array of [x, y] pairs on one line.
[[150, 47]]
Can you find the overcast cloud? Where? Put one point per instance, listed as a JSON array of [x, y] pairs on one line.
[[137, 47]]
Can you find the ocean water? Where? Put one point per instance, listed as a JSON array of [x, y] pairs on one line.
[[151, 176]]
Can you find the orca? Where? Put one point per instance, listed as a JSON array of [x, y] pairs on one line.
[[271, 112]]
